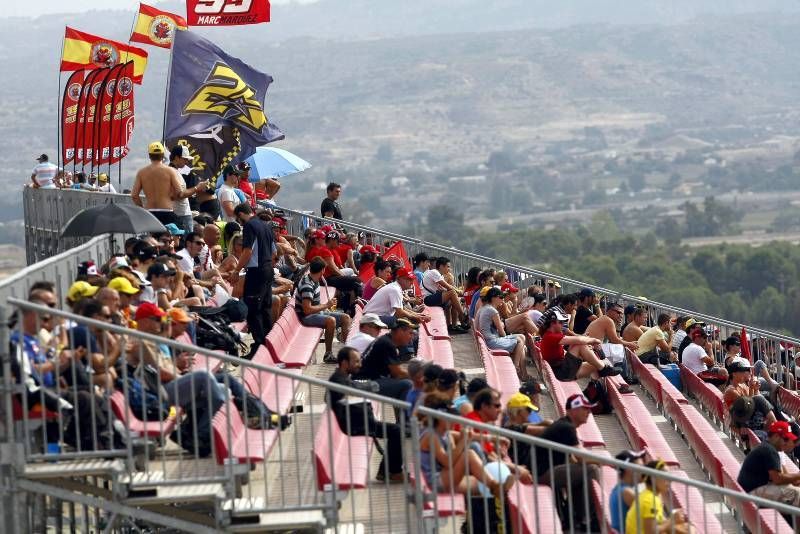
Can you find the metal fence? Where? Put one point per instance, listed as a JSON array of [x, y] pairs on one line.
[[91, 456]]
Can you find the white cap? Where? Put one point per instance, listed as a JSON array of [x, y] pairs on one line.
[[371, 318]]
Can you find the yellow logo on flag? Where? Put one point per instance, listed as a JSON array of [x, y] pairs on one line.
[[224, 93]]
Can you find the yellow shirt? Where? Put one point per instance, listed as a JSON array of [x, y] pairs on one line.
[[648, 505], [649, 339]]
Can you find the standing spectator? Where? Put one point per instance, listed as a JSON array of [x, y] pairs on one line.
[[44, 174], [330, 206], [312, 312], [258, 246], [160, 185], [353, 422], [105, 185], [228, 199], [180, 158], [761, 472]]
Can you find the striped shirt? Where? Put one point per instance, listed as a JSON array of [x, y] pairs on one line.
[[306, 289], [45, 173]]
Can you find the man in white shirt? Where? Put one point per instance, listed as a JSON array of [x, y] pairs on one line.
[[105, 185], [387, 302], [228, 199], [44, 174], [369, 327], [697, 360], [437, 292]]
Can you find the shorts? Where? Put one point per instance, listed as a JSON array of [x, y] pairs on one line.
[[318, 320], [507, 343], [165, 217], [568, 370], [786, 493], [436, 300]]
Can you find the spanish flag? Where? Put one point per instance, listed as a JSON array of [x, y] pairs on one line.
[[156, 27], [83, 50]]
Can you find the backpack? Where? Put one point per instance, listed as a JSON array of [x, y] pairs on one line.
[[213, 334], [597, 393], [233, 311]]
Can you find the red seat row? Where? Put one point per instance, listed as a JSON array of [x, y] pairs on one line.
[[790, 402], [237, 444], [201, 361], [277, 392], [691, 501], [532, 510], [136, 427], [435, 349], [342, 461], [654, 381], [290, 342], [763, 520], [710, 397], [442, 504], [437, 326], [589, 433], [500, 372]]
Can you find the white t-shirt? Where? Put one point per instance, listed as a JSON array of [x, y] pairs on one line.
[[45, 174], [430, 281], [385, 300], [677, 338], [181, 206], [693, 358], [227, 194], [186, 263], [535, 315], [360, 341], [108, 188]]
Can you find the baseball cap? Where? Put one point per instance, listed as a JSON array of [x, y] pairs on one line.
[[404, 273], [155, 148], [180, 151], [553, 283], [102, 177], [145, 252], [404, 323], [148, 310], [173, 229], [333, 234], [88, 268], [699, 332], [123, 285], [508, 287], [230, 169], [42, 158], [317, 234], [630, 455], [783, 429], [739, 365], [371, 318], [586, 293], [742, 410], [368, 248], [80, 290], [118, 262], [579, 400], [179, 315], [159, 269], [243, 166], [491, 292], [693, 322], [520, 400]]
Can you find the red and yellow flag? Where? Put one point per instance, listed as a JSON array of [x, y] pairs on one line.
[[156, 27], [83, 50]]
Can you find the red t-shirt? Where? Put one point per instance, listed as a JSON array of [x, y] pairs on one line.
[[469, 293], [247, 189], [322, 252], [343, 250], [552, 350], [337, 257], [488, 446]]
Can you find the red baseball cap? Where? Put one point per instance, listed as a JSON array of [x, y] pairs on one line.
[[368, 248], [579, 400], [404, 273], [148, 310], [508, 287], [318, 234], [327, 228], [783, 429]]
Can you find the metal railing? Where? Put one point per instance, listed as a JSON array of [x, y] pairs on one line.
[[234, 474]]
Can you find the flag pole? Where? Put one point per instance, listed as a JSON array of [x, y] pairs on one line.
[[58, 107], [127, 53], [166, 89]]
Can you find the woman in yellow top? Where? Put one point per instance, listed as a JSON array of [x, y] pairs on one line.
[[646, 514]]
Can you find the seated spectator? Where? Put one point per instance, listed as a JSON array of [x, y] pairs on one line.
[[753, 412], [349, 286], [160, 276], [472, 285], [588, 310], [446, 461], [526, 303], [127, 293], [516, 322], [679, 332], [387, 302], [352, 420], [437, 292], [565, 473], [580, 361], [381, 361], [654, 344], [633, 330], [698, 361], [463, 403], [732, 346], [416, 373], [421, 264], [537, 306], [383, 276], [553, 290], [605, 327], [332, 241], [623, 494], [761, 473], [312, 313], [518, 409], [369, 327], [485, 279], [78, 291], [101, 348], [691, 326], [447, 383], [647, 514], [489, 324]]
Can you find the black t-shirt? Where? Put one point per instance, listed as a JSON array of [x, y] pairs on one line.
[[519, 451], [332, 206], [757, 465], [582, 321], [685, 343], [257, 235], [377, 358], [561, 431]]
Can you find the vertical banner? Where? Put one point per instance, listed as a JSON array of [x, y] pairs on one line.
[[122, 120], [89, 133], [69, 114], [80, 123], [105, 107]]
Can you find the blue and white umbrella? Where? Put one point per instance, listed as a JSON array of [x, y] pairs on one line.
[[270, 162]]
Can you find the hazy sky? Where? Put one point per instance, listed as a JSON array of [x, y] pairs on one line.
[[46, 7]]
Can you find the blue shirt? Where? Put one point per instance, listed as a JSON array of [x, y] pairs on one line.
[[619, 510], [411, 397], [31, 350]]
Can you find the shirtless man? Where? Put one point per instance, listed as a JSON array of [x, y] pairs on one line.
[[633, 331], [605, 327], [161, 186]]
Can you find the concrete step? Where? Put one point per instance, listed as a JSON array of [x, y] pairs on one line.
[[176, 494], [277, 521], [73, 468]]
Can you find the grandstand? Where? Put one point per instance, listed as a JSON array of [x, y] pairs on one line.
[[312, 476]]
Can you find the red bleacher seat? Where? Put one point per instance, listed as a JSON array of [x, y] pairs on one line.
[[704, 441], [236, 443], [436, 350], [601, 490], [532, 510], [291, 343], [589, 433], [690, 500], [136, 427], [790, 402], [340, 460], [479, 338], [444, 504], [437, 326], [277, 392], [501, 375], [709, 396], [201, 361]]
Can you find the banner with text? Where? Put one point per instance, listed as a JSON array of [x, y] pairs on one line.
[[226, 12], [69, 114]]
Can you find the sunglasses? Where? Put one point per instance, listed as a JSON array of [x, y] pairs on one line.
[[497, 405]]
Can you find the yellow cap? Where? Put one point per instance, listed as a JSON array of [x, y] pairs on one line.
[[520, 400], [80, 290], [156, 148], [102, 177], [123, 285]]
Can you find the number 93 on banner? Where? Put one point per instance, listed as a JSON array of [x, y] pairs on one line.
[[226, 12]]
